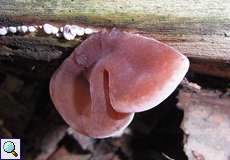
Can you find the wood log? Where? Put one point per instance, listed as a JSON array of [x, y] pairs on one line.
[[199, 29]]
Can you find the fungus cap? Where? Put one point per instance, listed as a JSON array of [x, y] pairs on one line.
[[112, 75]]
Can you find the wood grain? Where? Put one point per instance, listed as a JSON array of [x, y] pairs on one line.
[[199, 29]]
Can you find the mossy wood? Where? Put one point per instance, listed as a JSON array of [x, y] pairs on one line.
[[199, 29]]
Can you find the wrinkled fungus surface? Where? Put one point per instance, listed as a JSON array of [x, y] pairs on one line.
[[112, 75]]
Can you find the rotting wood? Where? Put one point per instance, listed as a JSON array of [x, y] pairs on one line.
[[199, 29], [206, 122]]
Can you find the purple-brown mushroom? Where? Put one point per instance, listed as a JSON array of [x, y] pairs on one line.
[[112, 75]]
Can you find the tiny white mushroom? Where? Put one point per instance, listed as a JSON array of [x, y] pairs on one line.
[[48, 28], [77, 30], [55, 30], [24, 29], [88, 31], [40, 26], [61, 29], [12, 29], [32, 29], [19, 28], [3, 31], [68, 32]]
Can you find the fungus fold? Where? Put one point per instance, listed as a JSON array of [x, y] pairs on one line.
[[112, 75]]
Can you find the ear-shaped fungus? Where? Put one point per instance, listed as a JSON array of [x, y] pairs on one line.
[[110, 76]]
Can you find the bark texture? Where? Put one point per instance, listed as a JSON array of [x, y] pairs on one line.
[[206, 122], [199, 29]]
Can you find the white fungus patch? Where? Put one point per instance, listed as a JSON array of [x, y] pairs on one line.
[[77, 30], [12, 29], [47, 28], [32, 29], [50, 29], [71, 31], [24, 29], [55, 30], [19, 28], [68, 32], [88, 31], [58, 35], [3, 31], [61, 29]]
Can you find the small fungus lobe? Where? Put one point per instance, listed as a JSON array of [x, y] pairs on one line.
[[24, 29], [68, 32], [88, 31], [3, 31], [50, 29], [12, 29], [112, 75], [32, 29]]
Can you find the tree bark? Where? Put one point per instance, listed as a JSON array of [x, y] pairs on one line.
[[199, 29], [206, 122]]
